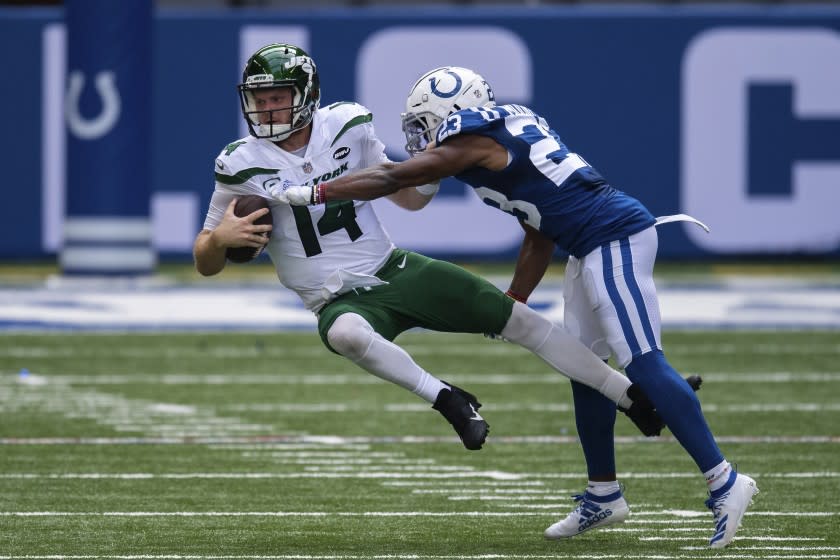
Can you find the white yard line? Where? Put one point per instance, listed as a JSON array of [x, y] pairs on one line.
[[774, 548], [317, 408], [672, 513], [30, 350], [461, 483], [121, 413], [360, 378], [221, 440], [800, 552], [559, 556], [262, 514]]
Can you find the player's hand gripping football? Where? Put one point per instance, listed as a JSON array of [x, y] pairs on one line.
[[242, 231]]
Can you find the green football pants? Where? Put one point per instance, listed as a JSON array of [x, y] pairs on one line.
[[423, 292]]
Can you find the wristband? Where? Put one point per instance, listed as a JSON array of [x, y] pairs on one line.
[[517, 297], [429, 189], [319, 194]]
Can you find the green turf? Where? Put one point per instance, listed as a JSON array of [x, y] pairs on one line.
[[219, 434]]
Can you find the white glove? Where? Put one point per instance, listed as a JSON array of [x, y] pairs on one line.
[[299, 195], [278, 193], [296, 195]]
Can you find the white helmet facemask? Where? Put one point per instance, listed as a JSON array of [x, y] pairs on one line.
[[435, 96], [300, 110]]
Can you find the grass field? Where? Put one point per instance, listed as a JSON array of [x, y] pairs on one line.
[[265, 446]]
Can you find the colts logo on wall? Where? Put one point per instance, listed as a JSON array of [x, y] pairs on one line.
[[101, 124]]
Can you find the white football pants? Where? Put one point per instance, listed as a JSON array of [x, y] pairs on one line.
[[610, 299]]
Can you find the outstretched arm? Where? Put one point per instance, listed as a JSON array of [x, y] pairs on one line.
[[416, 198], [534, 257], [455, 155], [449, 158]]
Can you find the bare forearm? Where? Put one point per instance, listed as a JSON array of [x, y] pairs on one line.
[[426, 168], [367, 184], [415, 198], [534, 257], [209, 256]]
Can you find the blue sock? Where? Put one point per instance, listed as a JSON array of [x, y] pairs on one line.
[[678, 405], [595, 421]]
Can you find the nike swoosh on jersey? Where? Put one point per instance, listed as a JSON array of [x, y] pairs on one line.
[[402, 264]]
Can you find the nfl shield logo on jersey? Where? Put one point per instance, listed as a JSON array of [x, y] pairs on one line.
[[307, 167]]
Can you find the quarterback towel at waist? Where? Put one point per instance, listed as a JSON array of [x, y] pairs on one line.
[[342, 281], [680, 218]]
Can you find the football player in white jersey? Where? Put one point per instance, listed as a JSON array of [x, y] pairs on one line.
[[340, 261], [518, 164]]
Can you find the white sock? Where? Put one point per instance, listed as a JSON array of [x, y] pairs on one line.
[[718, 475], [565, 353], [603, 488], [353, 337], [429, 386]]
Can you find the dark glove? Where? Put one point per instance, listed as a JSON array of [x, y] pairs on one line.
[[642, 412]]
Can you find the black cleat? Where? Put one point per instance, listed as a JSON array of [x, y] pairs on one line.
[[460, 409], [642, 412]]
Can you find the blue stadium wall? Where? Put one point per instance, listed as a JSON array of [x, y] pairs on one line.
[[731, 115]]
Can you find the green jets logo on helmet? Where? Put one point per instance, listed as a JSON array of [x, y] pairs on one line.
[[279, 66]]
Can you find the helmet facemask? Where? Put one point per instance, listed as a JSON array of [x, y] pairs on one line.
[[419, 130], [278, 66], [301, 115]]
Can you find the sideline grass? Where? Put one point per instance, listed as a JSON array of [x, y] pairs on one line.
[[265, 445]]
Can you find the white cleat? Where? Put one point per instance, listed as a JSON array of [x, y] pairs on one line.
[[592, 512], [729, 509]]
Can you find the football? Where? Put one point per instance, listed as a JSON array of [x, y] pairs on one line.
[[246, 205]]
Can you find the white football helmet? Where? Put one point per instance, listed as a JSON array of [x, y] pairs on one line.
[[435, 96]]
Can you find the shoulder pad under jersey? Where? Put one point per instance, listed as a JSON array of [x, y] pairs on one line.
[[237, 162], [344, 116]]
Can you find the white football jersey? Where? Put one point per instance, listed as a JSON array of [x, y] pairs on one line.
[[315, 249]]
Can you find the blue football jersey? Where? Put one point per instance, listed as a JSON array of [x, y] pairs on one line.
[[545, 185]]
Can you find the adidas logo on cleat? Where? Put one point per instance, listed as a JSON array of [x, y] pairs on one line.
[[595, 518], [592, 512]]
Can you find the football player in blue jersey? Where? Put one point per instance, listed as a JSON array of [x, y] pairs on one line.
[[517, 163]]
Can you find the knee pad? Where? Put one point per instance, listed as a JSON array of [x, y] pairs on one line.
[[350, 335]]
